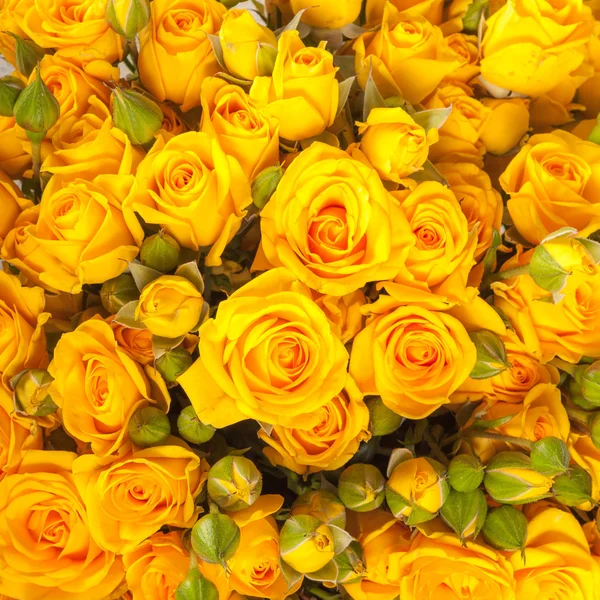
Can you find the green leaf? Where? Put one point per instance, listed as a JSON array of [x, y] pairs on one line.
[[162, 345], [215, 42], [562, 232], [126, 316], [345, 87], [546, 272], [491, 354], [341, 538], [143, 275], [490, 256], [429, 173], [302, 28], [399, 455], [491, 424], [592, 247], [433, 118], [191, 272], [373, 99]]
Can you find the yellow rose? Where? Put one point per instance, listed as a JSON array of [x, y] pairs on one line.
[[175, 52], [384, 541], [269, 354], [547, 44], [329, 14], [432, 10], [13, 156], [407, 57], [107, 384], [344, 312], [55, 556], [479, 202], [241, 39], [394, 144], [588, 94], [342, 424], [132, 494], [556, 561], [13, 203], [438, 566], [255, 568], [303, 83], [332, 223], [585, 454], [506, 125], [172, 124], [191, 188], [230, 116], [552, 183], [466, 47]]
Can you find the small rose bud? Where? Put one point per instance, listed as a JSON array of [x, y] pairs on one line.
[[128, 17], [306, 543], [505, 528], [472, 17], [594, 135], [574, 488], [149, 426], [465, 512], [160, 251], [215, 538], [594, 425], [265, 184], [550, 456], [350, 564], [32, 395], [196, 587], [491, 354], [116, 293], [136, 115], [361, 487], [10, 88], [234, 483], [383, 421], [322, 505], [510, 479], [577, 397], [191, 428], [465, 473], [173, 363], [265, 59], [27, 55], [589, 382]]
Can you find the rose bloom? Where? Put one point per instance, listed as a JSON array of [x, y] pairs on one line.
[[132, 494], [172, 124], [175, 52], [547, 43], [269, 354], [46, 548], [432, 10], [108, 384], [332, 223], [343, 423], [344, 312], [329, 14], [585, 454], [13, 156], [243, 131], [553, 183], [466, 47], [588, 94], [13, 203], [191, 188], [506, 125], [303, 83]]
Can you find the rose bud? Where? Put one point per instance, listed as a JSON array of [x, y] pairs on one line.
[[577, 397], [128, 17], [350, 564], [234, 483], [117, 292], [505, 528], [465, 512], [589, 381], [136, 115], [196, 587], [491, 354], [191, 428], [306, 543], [265, 184], [594, 425], [160, 251], [32, 392], [361, 487], [550, 456], [173, 363], [215, 538], [149, 426], [465, 473], [322, 505], [10, 89], [383, 421], [574, 488]]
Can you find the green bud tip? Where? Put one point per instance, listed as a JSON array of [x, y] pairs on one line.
[[505, 528], [160, 251], [174, 363], [215, 538], [32, 395], [265, 59], [265, 184], [128, 17], [196, 587], [10, 89], [550, 456], [117, 292], [136, 115], [234, 483], [191, 428], [383, 420], [361, 487], [465, 473], [465, 512], [149, 426]]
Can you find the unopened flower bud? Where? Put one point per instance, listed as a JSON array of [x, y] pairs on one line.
[[191, 428], [10, 88], [577, 397], [550, 456], [149, 426], [472, 17], [27, 55], [265, 184], [574, 488], [361, 487], [117, 292], [383, 421], [215, 538], [465, 512], [510, 479], [234, 483], [173, 363], [491, 354], [322, 505], [136, 115], [350, 564], [505, 528], [465, 473], [160, 251], [32, 392], [306, 543], [594, 135], [196, 587], [589, 383], [128, 17], [594, 425], [265, 59]]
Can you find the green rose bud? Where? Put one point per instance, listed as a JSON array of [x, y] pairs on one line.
[[116, 293], [594, 135], [32, 395], [128, 17], [322, 505], [594, 425], [265, 184], [160, 251], [215, 538], [574, 488], [550, 456], [149, 426], [191, 428], [383, 421], [505, 528], [361, 487], [465, 473], [577, 397], [472, 17], [174, 363], [306, 543], [136, 115], [491, 355], [10, 89], [234, 483], [350, 564], [265, 59], [27, 55], [465, 512], [589, 382]]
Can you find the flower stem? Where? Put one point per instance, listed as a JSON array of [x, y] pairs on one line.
[[498, 437], [563, 365], [435, 448], [521, 270]]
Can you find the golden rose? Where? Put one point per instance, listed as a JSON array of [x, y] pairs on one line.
[[132, 494], [332, 223], [344, 312], [175, 52], [191, 188], [506, 125], [547, 44], [466, 47], [407, 57], [230, 116], [172, 124], [303, 83], [588, 93], [585, 454], [552, 184], [329, 14], [394, 144], [108, 384], [432, 10], [342, 424], [241, 39], [55, 556], [13, 155], [13, 203], [269, 354], [384, 541]]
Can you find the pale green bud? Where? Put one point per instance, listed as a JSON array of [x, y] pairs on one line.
[[577, 397], [265, 59], [10, 88], [265, 184], [215, 538], [174, 363], [128, 17], [505, 528], [136, 115], [350, 564], [149, 426], [191, 428], [160, 252], [465, 512], [234, 483], [574, 488], [465, 473], [383, 420], [306, 544], [117, 292], [491, 354], [594, 425], [550, 456], [32, 395], [589, 382], [196, 587], [361, 487], [322, 505]]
